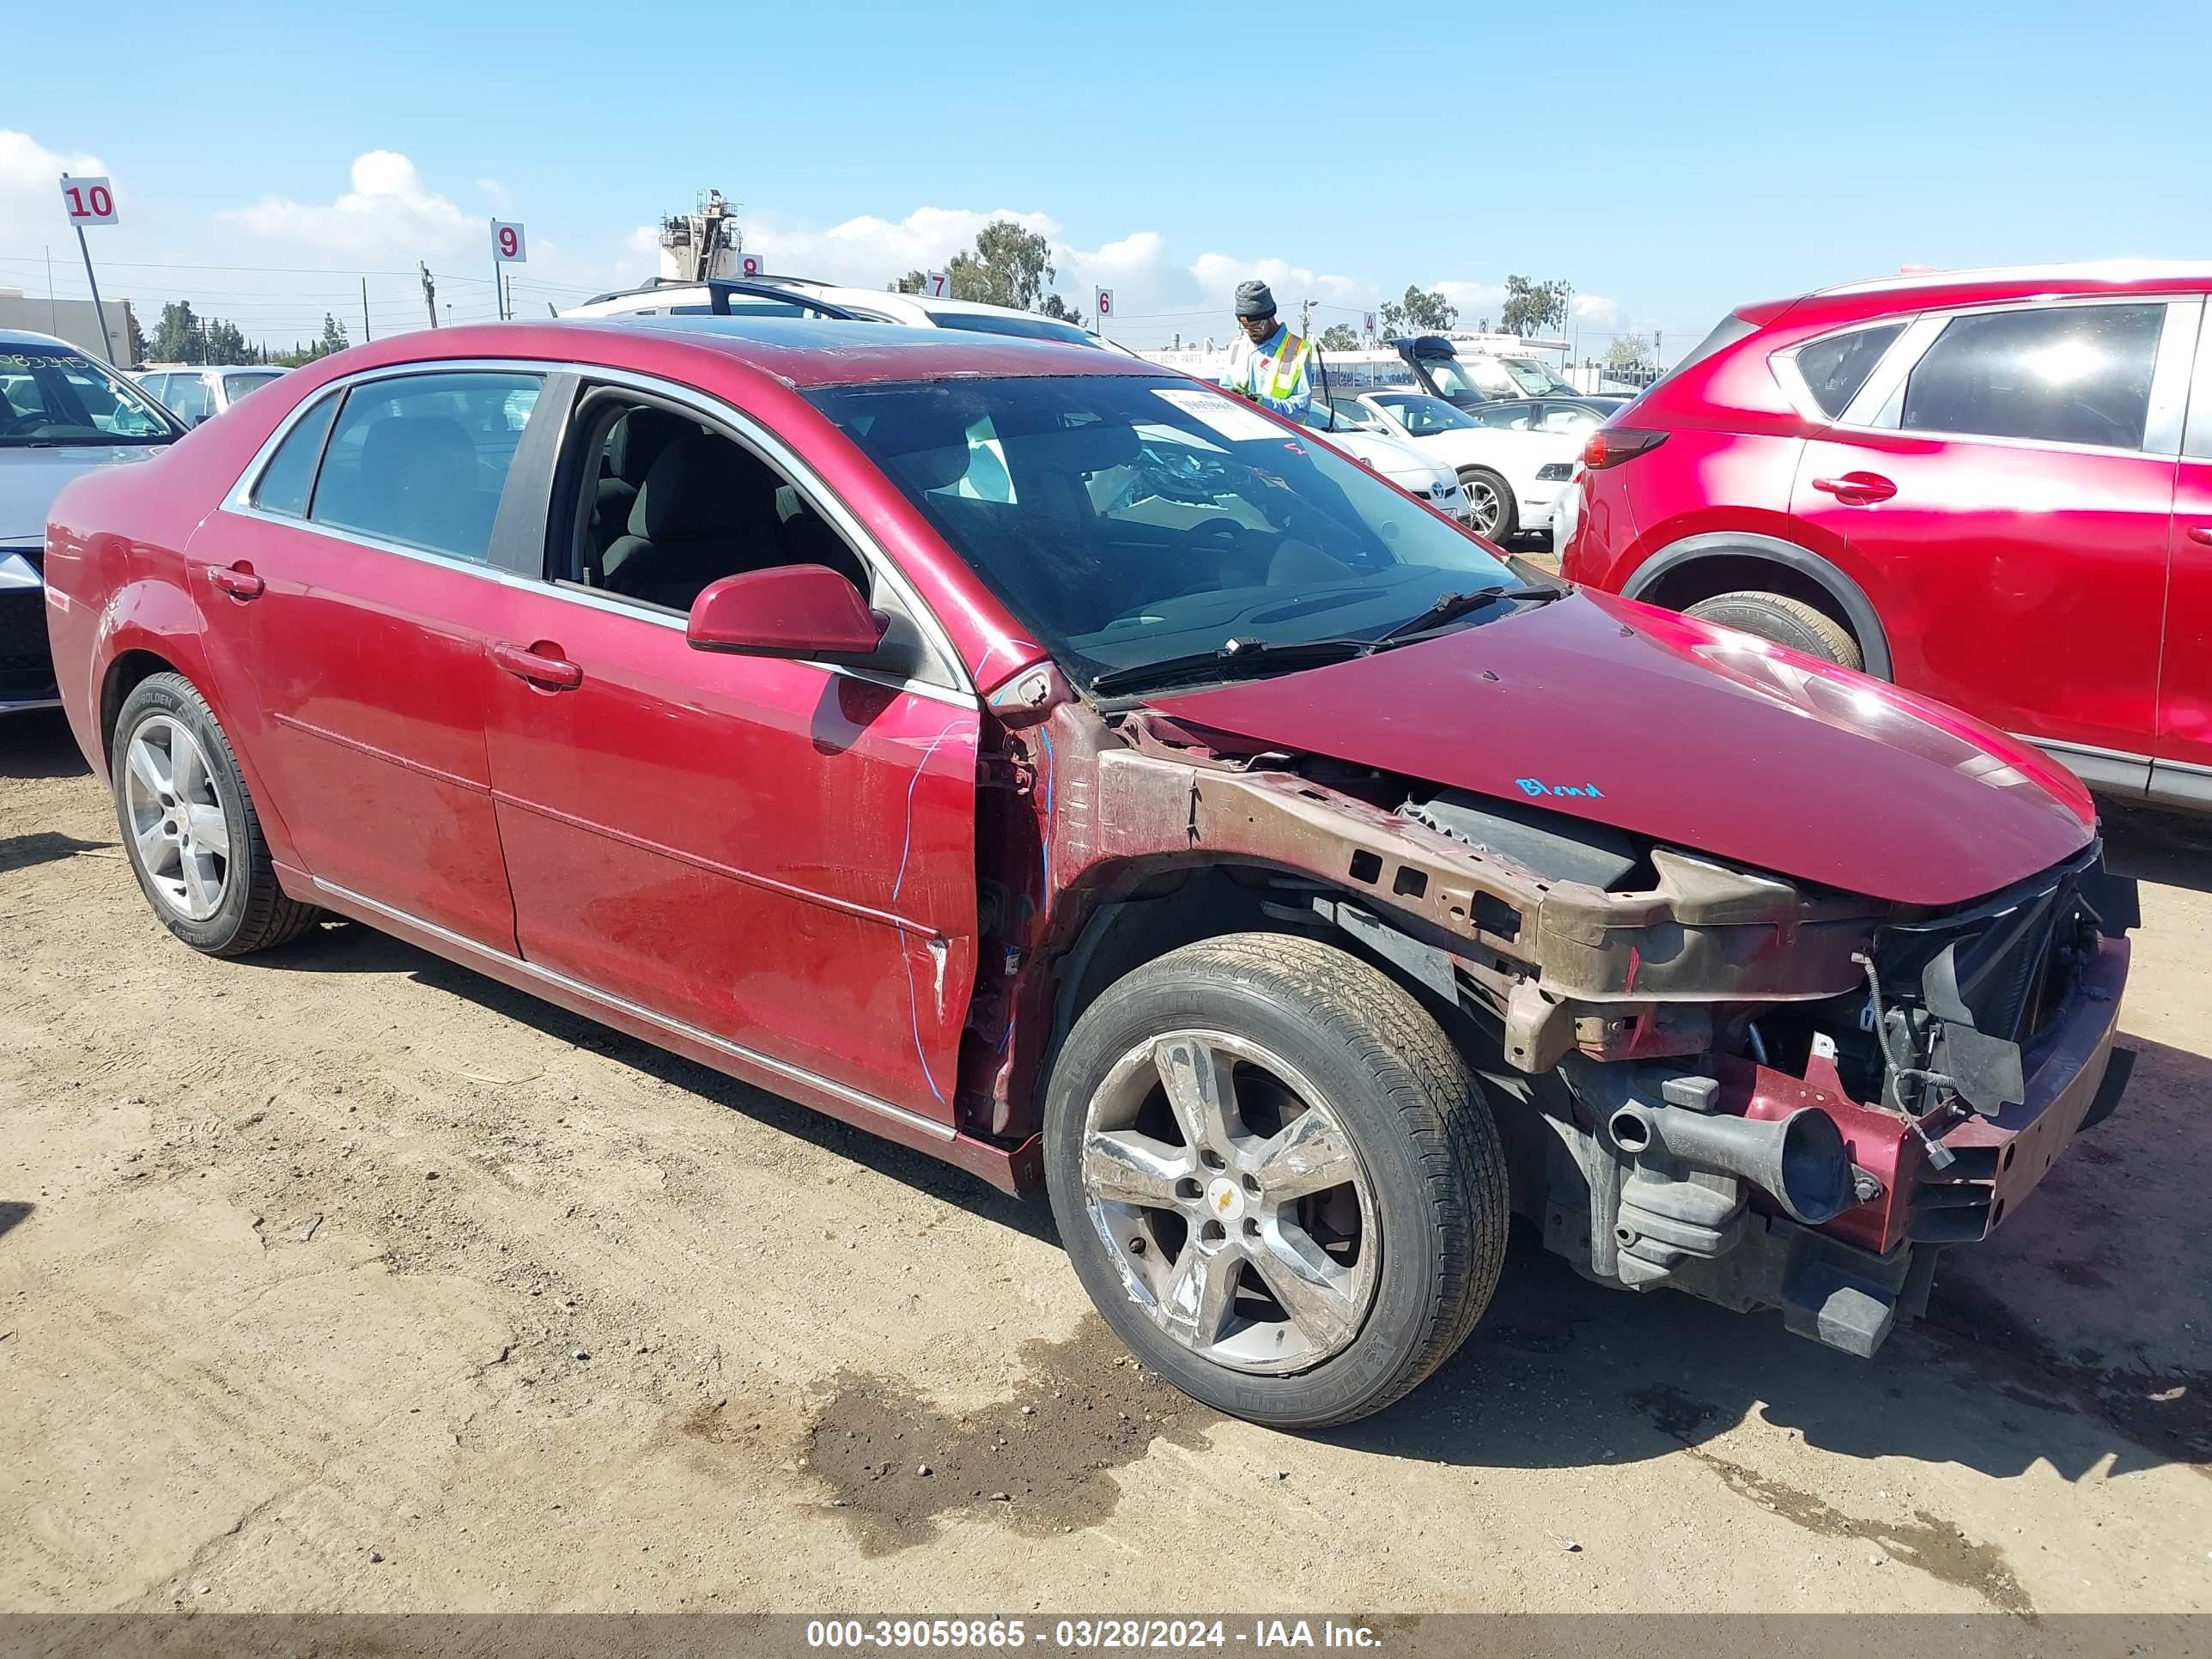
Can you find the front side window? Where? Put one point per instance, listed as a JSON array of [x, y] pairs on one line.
[[2070, 374], [1131, 521], [51, 396], [1835, 368], [188, 398], [421, 460]]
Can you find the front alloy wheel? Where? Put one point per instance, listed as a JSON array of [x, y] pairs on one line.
[[1231, 1202]]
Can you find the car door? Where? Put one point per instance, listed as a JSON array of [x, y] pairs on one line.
[[351, 586], [2183, 767], [2001, 486], [778, 853]]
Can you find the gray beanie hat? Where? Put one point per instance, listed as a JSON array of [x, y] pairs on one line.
[[1254, 298]]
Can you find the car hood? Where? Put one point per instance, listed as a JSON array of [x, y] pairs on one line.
[[1386, 455], [31, 478], [1695, 736]]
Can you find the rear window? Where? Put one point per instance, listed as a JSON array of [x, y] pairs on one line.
[[1835, 368], [1023, 328], [1726, 333]]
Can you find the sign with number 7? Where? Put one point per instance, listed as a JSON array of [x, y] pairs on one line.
[[938, 284]]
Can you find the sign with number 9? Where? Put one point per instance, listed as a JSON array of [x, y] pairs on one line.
[[506, 244]]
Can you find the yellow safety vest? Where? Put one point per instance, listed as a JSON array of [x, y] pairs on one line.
[[1289, 363]]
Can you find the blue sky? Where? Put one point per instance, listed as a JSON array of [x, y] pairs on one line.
[[1669, 160]]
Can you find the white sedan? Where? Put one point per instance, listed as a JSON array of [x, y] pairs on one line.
[[1514, 459], [1402, 462]]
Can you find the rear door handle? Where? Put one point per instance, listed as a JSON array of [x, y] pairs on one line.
[[1857, 488], [2201, 533], [538, 665], [237, 579]]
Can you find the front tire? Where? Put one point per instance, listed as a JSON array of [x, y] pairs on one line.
[[1786, 622], [1492, 514], [1276, 1178], [189, 827]]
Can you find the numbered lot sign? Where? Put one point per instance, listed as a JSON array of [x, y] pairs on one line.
[[506, 244], [749, 264], [1103, 303], [938, 284], [89, 201]]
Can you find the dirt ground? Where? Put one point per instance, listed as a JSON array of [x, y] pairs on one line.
[[346, 1279]]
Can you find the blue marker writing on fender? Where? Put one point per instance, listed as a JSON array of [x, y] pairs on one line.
[[1537, 787]]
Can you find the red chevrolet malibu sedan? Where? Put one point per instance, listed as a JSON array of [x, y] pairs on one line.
[[1992, 487], [1072, 772]]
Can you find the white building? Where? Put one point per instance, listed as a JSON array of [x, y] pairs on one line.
[[73, 321]]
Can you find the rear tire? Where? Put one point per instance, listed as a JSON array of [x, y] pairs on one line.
[[1786, 622], [1491, 512], [1298, 1283], [189, 827]]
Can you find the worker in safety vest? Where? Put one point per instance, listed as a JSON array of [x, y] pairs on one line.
[[1269, 364]]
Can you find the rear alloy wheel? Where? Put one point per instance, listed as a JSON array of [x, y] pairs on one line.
[[1786, 622], [1490, 512], [189, 828], [1276, 1178]]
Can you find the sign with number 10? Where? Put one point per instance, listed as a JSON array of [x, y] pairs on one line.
[[506, 244], [89, 201]]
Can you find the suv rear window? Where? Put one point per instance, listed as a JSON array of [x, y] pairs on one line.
[[1835, 368]]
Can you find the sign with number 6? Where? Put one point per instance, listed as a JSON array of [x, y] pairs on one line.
[[506, 244], [1104, 303], [89, 201]]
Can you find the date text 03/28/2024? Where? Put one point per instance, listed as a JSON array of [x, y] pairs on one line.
[[1084, 1635]]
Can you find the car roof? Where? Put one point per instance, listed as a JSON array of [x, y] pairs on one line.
[[1913, 290], [31, 336], [800, 353]]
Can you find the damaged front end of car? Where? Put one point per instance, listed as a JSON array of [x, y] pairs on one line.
[[1708, 1078]]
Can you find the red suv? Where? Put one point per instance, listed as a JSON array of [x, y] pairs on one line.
[[1993, 487], [1063, 769]]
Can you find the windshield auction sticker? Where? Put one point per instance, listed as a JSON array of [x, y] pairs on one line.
[[1231, 420]]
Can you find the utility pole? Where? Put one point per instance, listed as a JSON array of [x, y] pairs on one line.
[[429, 294], [366, 336], [1305, 319]]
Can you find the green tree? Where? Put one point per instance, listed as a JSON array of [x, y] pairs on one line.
[[1532, 307], [333, 339], [226, 344], [1054, 307], [913, 282], [1629, 351], [1009, 266], [1421, 311], [1338, 337], [177, 336], [138, 339]]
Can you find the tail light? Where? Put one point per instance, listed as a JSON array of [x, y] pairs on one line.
[[1609, 446]]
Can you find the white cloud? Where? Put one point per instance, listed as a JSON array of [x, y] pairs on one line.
[[390, 214], [496, 193], [869, 251], [1596, 310], [31, 212]]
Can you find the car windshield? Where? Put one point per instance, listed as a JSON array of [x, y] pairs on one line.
[[51, 396], [1130, 520], [1422, 415], [1022, 328], [1532, 378]]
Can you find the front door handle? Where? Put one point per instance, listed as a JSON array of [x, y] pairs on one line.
[[541, 665], [1857, 488], [237, 579], [2201, 533]]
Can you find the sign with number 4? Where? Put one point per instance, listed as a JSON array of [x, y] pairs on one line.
[[506, 244], [938, 284], [89, 201]]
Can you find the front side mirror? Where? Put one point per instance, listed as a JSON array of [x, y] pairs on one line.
[[789, 610]]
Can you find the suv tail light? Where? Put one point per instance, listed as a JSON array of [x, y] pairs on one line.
[[1609, 446]]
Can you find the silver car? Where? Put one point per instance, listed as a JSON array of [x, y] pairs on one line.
[[61, 413], [193, 393]]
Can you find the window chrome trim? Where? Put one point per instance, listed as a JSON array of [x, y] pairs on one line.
[[934, 1127], [240, 502], [2169, 378], [2196, 421], [1792, 378], [1879, 405]]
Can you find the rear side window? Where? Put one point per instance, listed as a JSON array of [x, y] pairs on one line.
[[291, 471], [1835, 368], [421, 460], [187, 397], [2071, 374]]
